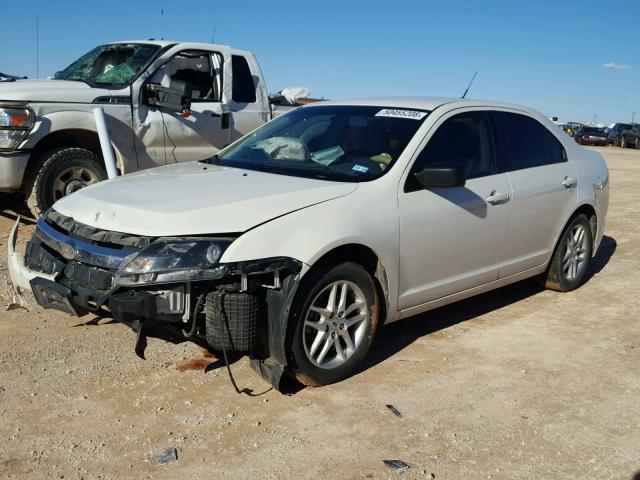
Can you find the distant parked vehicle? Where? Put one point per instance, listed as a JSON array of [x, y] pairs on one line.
[[590, 136], [574, 126], [613, 134], [10, 78], [630, 137]]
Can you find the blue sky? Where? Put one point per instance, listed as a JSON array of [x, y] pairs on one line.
[[545, 54]]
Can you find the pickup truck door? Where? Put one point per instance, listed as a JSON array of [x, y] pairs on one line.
[[451, 239], [165, 136]]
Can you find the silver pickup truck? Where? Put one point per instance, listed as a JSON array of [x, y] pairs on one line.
[[164, 102]]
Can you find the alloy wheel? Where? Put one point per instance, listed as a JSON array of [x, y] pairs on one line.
[[335, 324], [574, 260]]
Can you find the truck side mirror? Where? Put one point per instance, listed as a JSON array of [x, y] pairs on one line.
[[176, 97]]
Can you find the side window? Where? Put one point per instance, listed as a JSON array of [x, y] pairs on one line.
[[463, 140], [527, 143], [244, 90], [194, 67]]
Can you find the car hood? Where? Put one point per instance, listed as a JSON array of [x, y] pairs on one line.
[[194, 199], [50, 91]]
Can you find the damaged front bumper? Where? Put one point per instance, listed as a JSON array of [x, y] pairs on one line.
[[75, 274]]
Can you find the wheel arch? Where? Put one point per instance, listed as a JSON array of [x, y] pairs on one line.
[[370, 261], [586, 209], [67, 138]]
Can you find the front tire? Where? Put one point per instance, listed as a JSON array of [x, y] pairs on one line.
[[623, 142], [336, 314], [571, 258], [61, 172]]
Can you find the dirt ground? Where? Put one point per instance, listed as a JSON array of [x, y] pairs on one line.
[[516, 383]]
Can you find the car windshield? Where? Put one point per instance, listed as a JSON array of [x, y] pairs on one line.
[[343, 143], [114, 65], [592, 131]]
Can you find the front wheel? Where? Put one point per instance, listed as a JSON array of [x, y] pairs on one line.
[[623, 142], [337, 313], [60, 173], [571, 257]]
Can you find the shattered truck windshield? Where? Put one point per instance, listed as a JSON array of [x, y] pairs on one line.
[[114, 65], [342, 142]]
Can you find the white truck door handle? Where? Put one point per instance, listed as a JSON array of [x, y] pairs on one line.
[[569, 182], [496, 198]]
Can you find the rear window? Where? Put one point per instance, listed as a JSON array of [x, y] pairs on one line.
[[526, 142], [593, 131], [244, 89]]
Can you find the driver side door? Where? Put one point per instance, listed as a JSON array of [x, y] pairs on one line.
[[205, 129], [451, 239], [162, 136]]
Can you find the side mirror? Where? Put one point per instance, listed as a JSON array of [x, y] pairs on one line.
[[176, 97], [441, 177]]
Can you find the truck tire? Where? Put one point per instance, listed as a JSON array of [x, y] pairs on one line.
[[60, 173], [623, 142]]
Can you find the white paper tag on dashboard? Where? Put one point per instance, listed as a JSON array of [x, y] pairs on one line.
[[400, 113]]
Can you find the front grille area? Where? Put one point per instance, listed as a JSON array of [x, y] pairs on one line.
[[105, 238], [98, 253]]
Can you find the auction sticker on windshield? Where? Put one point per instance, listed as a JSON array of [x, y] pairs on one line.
[[397, 113]]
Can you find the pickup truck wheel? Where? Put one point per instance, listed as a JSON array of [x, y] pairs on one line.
[[61, 173], [337, 312], [571, 258], [623, 142]]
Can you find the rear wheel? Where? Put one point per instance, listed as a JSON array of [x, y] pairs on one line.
[[337, 314], [623, 142], [60, 173], [571, 258]]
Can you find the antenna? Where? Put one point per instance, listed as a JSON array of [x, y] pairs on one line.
[[37, 45], [162, 21], [213, 33], [469, 86]]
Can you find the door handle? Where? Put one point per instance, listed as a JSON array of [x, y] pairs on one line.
[[569, 182], [496, 198]]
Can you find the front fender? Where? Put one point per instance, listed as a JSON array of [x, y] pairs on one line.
[[308, 234]]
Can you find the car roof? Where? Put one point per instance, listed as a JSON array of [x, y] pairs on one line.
[[421, 103]]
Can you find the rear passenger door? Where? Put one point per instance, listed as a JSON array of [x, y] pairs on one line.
[[544, 190]]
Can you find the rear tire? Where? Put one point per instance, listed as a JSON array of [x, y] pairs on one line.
[[571, 258], [336, 315], [61, 172], [623, 142]]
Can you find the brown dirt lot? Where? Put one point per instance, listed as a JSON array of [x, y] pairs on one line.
[[516, 383]]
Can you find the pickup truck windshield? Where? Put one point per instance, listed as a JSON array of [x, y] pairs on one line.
[[343, 143], [114, 65]]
